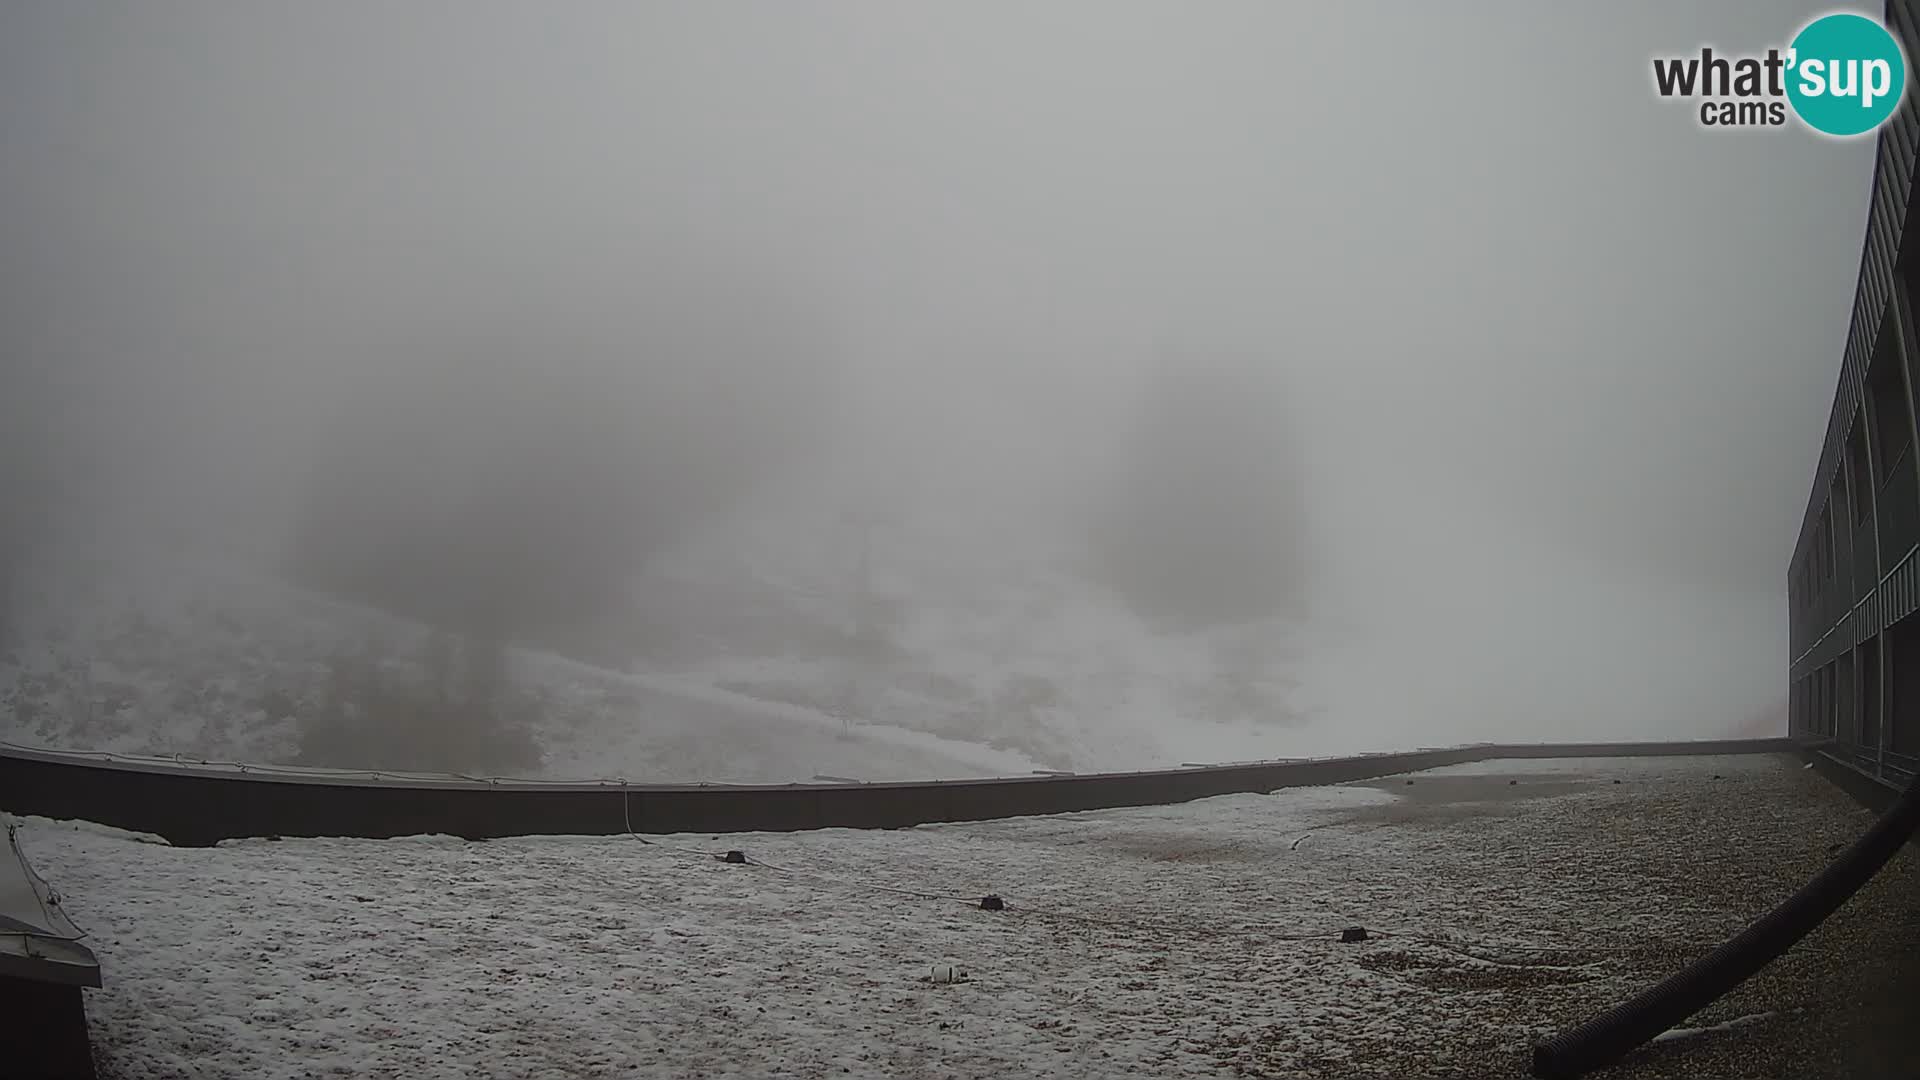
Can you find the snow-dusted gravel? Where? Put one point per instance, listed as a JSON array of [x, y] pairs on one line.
[[1505, 899]]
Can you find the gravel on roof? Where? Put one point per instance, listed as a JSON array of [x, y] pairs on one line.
[[1503, 902]]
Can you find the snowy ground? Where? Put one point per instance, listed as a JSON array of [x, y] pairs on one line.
[[1506, 899]]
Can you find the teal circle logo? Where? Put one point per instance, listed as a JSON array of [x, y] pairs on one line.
[[1846, 74]]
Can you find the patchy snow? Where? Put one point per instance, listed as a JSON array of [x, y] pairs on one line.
[[985, 664], [93, 829], [984, 678], [709, 733], [989, 665], [1674, 1034], [1183, 940], [195, 663], [1599, 768]]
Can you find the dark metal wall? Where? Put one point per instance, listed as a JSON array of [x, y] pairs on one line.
[[201, 805], [1854, 583]]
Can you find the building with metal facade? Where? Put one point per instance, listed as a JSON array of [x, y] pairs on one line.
[[1854, 582]]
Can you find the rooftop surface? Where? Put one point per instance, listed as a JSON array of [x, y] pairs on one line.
[[1504, 901]]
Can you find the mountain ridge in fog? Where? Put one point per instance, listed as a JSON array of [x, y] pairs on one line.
[[490, 326]]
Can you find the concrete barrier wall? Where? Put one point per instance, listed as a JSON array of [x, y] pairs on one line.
[[197, 805]]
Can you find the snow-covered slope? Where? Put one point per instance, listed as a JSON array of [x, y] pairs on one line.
[[793, 640], [748, 658], [989, 631], [836, 627], [216, 666]]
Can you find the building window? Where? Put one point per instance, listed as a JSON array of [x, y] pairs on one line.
[[1829, 703], [1823, 543], [1816, 565], [1887, 408], [1857, 475], [1848, 539], [1903, 687], [1868, 666], [1847, 714]]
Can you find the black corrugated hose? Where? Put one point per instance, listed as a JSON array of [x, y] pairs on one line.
[[1610, 1036]]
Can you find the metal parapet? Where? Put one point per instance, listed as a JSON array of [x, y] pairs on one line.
[[201, 804]]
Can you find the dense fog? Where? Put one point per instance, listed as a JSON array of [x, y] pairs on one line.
[[1429, 334]]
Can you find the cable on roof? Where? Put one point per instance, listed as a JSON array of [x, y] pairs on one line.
[[1613, 1034]]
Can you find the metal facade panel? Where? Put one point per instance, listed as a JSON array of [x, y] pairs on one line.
[[1827, 622]]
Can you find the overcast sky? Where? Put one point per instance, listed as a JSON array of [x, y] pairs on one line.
[[1515, 298]]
